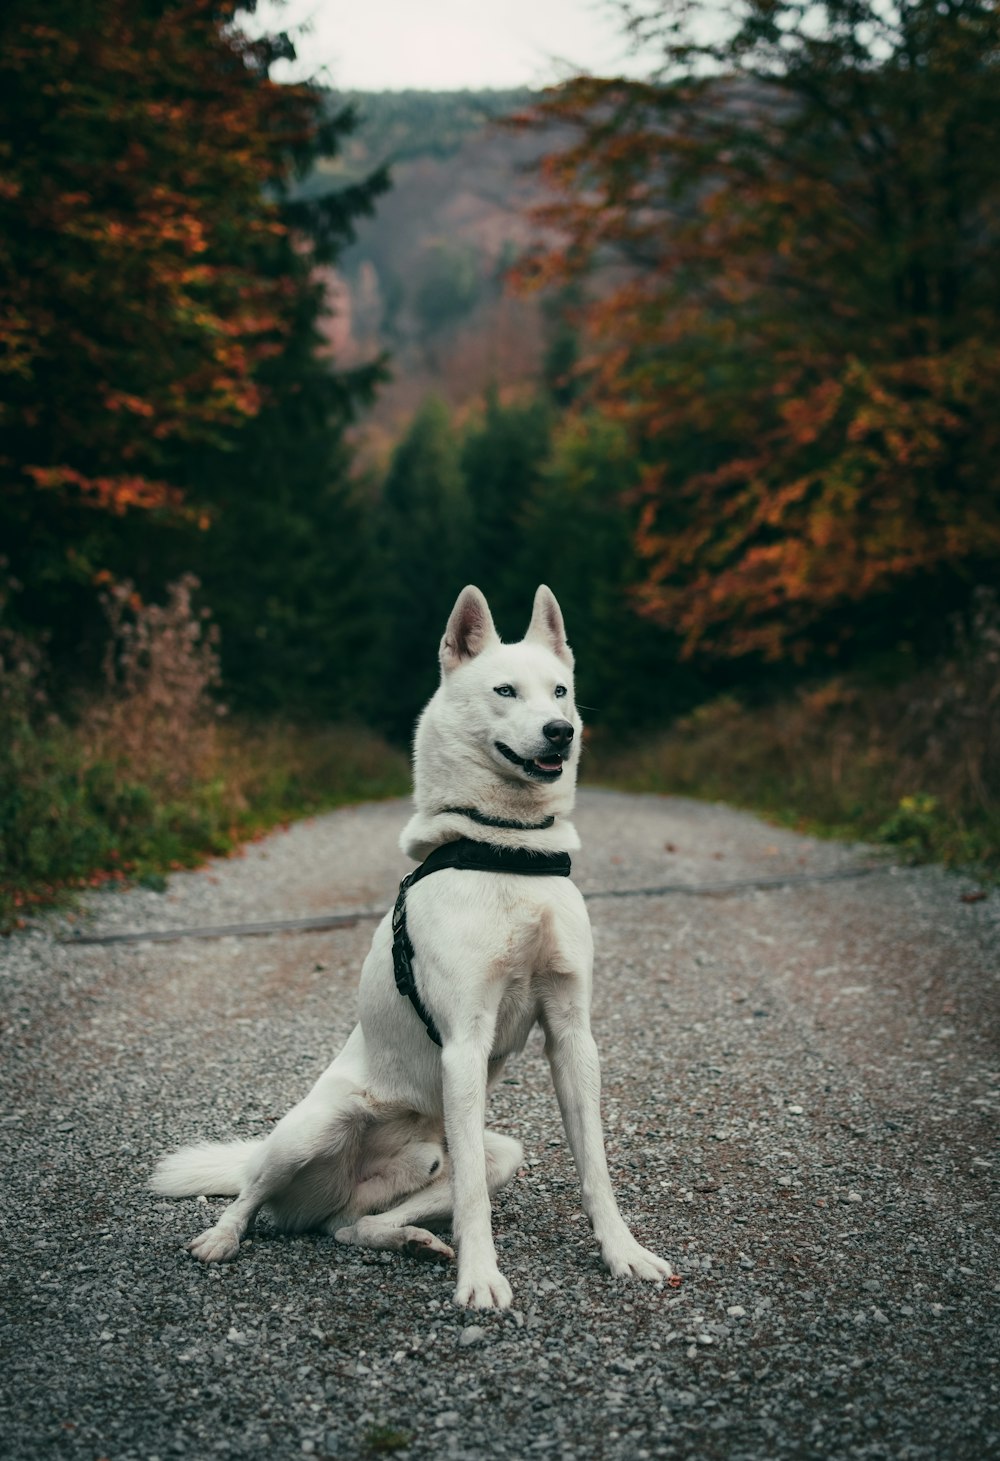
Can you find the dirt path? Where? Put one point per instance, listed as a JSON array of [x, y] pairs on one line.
[[800, 1097]]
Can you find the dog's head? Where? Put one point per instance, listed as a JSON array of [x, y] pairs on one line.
[[515, 700]]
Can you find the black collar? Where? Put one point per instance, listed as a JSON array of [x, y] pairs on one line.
[[484, 821]]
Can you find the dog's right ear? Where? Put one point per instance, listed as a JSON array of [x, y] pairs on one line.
[[470, 630]]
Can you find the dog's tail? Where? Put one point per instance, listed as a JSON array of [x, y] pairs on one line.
[[216, 1168]]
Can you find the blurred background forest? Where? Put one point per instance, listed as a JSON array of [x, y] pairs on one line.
[[714, 352]]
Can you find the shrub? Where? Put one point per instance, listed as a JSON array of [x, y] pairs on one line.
[[148, 777], [916, 765], [157, 717]]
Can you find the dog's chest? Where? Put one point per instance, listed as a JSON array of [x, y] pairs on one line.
[[502, 941], [523, 967], [517, 1016], [526, 943]]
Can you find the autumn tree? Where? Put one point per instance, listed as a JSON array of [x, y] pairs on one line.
[[154, 263], [798, 311]]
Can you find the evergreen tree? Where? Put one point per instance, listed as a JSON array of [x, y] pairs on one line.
[[424, 530], [577, 536], [287, 562], [502, 459], [563, 310]]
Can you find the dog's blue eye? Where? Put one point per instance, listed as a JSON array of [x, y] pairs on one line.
[[560, 691], [507, 690]]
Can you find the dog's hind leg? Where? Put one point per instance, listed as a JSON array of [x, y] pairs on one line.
[[399, 1230], [319, 1136], [220, 1243]]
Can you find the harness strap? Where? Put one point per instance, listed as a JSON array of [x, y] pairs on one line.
[[466, 856]]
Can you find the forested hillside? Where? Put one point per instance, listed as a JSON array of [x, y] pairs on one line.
[[425, 280], [713, 353]]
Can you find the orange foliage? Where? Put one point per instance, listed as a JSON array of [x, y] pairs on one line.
[[143, 153], [795, 311]]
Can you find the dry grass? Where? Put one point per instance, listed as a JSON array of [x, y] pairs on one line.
[[158, 716], [149, 777], [917, 764]]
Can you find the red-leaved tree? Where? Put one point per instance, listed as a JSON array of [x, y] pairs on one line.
[[797, 311], [155, 266]]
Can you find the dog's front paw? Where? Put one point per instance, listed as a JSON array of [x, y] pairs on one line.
[[486, 1288], [215, 1245], [629, 1259]]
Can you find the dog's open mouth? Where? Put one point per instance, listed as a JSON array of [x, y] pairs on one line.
[[543, 768]]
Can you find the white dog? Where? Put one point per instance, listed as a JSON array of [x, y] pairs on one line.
[[392, 1136]]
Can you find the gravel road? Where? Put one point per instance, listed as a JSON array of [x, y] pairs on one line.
[[800, 1100]]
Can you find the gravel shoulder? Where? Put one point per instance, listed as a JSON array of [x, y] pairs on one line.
[[800, 1094]]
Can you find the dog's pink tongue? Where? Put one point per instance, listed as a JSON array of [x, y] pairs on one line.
[[553, 765]]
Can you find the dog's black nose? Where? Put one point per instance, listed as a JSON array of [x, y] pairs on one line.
[[559, 732]]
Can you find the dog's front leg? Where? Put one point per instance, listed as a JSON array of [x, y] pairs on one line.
[[576, 1075], [481, 1285]]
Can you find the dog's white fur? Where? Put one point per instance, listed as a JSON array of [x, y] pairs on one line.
[[392, 1136]]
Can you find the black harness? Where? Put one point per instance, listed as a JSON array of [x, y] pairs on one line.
[[466, 856]]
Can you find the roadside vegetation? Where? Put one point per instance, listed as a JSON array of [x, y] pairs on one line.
[[148, 775], [915, 766]]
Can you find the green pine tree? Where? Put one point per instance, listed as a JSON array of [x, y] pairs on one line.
[[423, 538], [578, 536], [502, 458]]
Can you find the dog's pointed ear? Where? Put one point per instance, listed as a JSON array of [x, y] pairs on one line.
[[470, 630], [547, 625]]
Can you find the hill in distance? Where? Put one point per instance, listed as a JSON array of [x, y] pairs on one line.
[[424, 282]]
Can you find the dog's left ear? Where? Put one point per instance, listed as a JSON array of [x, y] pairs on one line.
[[547, 625], [470, 629]]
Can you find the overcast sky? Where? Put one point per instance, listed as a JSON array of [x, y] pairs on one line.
[[444, 45]]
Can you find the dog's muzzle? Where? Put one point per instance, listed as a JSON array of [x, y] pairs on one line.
[[547, 767]]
